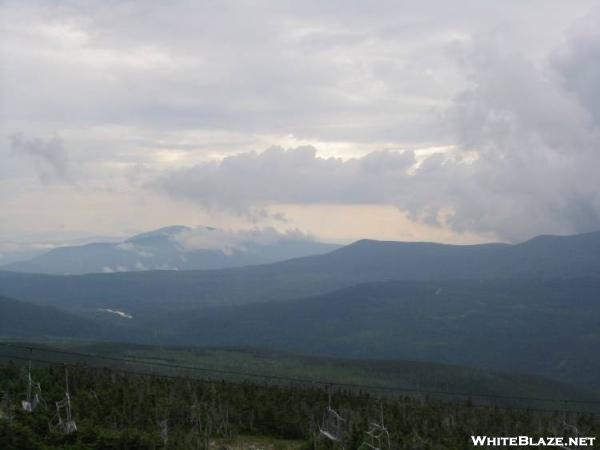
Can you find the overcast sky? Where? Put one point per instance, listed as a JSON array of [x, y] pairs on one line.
[[462, 121]]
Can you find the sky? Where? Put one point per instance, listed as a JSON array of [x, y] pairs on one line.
[[458, 122]]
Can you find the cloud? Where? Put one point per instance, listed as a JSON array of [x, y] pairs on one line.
[[133, 248], [535, 138], [290, 176], [48, 155], [578, 63], [527, 134], [228, 241], [181, 92], [328, 73]]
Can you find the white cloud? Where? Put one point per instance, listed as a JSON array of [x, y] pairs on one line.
[[228, 241]]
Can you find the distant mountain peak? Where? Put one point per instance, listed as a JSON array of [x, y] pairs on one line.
[[175, 247], [169, 231]]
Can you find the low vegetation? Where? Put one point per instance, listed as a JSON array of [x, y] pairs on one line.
[[117, 410]]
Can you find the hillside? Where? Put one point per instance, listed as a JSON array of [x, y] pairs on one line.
[[544, 327], [24, 320], [548, 327]]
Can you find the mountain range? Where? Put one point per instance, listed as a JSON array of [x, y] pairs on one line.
[[364, 261], [531, 307]]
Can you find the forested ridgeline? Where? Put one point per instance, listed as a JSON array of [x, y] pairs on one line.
[[119, 410]]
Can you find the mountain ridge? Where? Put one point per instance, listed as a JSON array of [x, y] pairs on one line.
[[363, 262], [531, 305], [167, 249]]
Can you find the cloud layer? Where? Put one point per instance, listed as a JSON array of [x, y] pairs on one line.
[[524, 162], [478, 117], [228, 241]]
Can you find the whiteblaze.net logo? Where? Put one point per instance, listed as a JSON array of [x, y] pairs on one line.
[[527, 441]]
